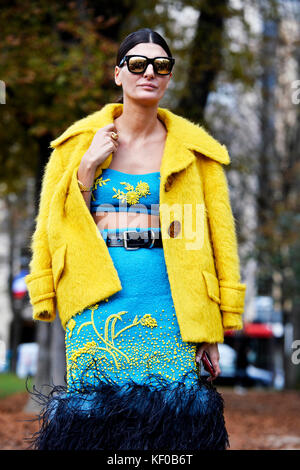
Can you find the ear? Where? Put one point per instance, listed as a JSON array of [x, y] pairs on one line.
[[117, 73]]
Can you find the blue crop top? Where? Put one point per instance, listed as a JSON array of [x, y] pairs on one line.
[[115, 191]]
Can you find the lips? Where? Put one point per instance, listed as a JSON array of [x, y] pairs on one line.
[[148, 85]]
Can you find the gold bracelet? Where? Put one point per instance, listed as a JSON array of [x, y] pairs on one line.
[[84, 188]]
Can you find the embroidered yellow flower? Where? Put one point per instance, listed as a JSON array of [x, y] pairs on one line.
[[132, 197], [128, 186], [120, 195], [142, 188], [98, 182]]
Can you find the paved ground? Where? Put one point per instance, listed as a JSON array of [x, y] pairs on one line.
[[255, 420], [263, 420]]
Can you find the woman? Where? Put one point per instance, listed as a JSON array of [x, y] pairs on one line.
[[139, 303]]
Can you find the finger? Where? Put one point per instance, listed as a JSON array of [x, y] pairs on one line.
[[110, 126], [210, 378], [113, 147], [216, 374], [113, 136], [110, 145], [111, 141], [199, 354], [215, 363], [108, 134]]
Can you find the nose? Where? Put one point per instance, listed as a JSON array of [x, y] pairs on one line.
[[149, 71]]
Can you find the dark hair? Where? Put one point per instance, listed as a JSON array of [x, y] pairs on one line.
[[138, 37]]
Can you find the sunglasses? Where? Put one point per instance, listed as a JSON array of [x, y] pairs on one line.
[[138, 64]]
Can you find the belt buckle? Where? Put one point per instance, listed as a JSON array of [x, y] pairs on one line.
[[152, 238], [126, 241], [137, 247]]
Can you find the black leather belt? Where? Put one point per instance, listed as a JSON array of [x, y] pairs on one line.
[[133, 240]]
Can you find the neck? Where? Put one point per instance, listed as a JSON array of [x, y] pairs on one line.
[[137, 122]]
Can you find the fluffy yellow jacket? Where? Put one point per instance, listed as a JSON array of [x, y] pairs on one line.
[[71, 268]]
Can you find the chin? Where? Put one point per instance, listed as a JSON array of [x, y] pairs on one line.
[[148, 99]]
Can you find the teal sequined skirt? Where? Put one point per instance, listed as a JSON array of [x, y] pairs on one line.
[[132, 383]]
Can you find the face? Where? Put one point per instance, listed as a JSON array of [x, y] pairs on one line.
[[133, 84]]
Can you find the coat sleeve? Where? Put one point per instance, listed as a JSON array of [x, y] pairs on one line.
[[224, 243], [39, 281]]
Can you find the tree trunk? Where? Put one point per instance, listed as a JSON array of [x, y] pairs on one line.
[[205, 59]]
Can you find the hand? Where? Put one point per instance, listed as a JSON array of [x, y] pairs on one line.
[[213, 352], [102, 146]]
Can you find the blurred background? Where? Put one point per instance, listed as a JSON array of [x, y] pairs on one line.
[[237, 73]]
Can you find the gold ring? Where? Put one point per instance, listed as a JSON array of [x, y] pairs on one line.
[[114, 136]]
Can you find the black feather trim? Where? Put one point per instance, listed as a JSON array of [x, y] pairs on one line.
[[153, 415]]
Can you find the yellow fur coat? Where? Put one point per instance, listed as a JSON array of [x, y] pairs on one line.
[[71, 268]]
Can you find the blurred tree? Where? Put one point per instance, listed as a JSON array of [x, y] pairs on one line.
[[278, 171], [205, 61], [56, 60]]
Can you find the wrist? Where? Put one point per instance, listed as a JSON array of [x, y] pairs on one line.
[[85, 175], [83, 188], [89, 163]]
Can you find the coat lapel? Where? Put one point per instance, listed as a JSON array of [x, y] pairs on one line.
[[183, 138]]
